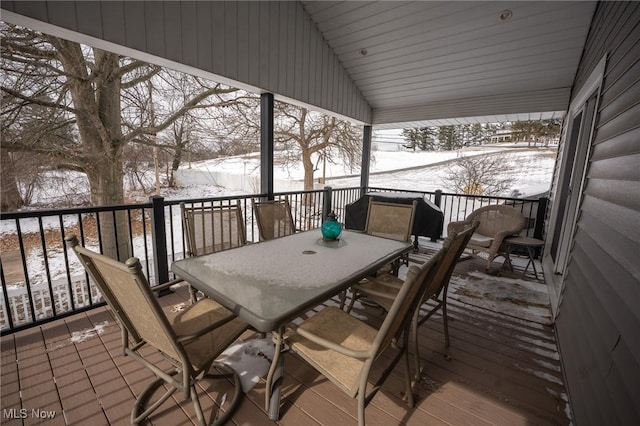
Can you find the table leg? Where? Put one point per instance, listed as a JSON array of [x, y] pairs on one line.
[[273, 387], [507, 259]]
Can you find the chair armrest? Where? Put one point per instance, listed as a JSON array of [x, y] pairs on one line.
[[330, 345], [387, 280], [458, 226], [198, 333], [369, 292], [499, 239], [166, 285]]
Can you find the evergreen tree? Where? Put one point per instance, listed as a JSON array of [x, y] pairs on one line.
[[420, 138], [427, 139], [534, 130], [448, 138], [476, 135], [551, 128], [525, 130], [412, 137]]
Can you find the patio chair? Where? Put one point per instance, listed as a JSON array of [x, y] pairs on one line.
[[387, 220], [394, 221], [190, 341], [496, 223], [210, 229], [390, 220], [274, 218], [343, 349], [384, 289]]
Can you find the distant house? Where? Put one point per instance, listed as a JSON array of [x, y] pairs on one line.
[[502, 135]]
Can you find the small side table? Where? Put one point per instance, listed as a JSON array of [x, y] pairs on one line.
[[530, 244]]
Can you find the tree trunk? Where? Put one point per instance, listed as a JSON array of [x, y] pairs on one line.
[[177, 157], [102, 142], [308, 172], [106, 181], [11, 198], [307, 199]]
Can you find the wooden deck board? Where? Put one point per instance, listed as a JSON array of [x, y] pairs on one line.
[[498, 370], [74, 386]]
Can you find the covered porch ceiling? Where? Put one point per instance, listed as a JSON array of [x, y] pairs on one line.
[[436, 63], [390, 64]]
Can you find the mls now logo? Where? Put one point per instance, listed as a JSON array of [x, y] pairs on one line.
[[23, 413], [14, 413]]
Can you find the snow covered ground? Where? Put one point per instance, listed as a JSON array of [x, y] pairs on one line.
[[531, 170]]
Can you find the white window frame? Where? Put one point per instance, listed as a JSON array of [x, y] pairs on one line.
[[555, 269]]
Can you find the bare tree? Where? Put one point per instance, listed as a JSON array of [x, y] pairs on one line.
[[313, 137], [479, 175], [91, 88], [301, 135]]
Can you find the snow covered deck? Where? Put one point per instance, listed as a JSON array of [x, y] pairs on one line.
[[500, 369]]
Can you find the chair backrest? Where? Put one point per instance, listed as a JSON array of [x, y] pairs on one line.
[[497, 218], [274, 218], [128, 294], [209, 229], [406, 301], [455, 243], [390, 220]]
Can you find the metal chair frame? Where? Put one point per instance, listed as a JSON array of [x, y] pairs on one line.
[[190, 341], [344, 349]]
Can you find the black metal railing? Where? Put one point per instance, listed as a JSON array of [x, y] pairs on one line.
[[41, 281]]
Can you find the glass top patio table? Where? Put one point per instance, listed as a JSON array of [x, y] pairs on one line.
[[270, 283]]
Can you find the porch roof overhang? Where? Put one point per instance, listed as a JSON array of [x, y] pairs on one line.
[[386, 64], [436, 63]]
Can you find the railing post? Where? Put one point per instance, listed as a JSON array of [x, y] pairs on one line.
[[326, 203], [437, 198], [159, 239], [266, 145], [538, 230], [366, 159]]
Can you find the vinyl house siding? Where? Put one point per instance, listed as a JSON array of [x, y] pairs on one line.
[[599, 315]]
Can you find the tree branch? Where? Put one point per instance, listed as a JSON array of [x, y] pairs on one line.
[[140, 79], [193, 103], [37, 101]]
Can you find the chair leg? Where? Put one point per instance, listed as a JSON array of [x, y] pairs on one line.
[[408, 382], [235, 399], [193, 294], [361, 406], [138, 412], [445, 321], [352, 300], [343, 298], [414, 331], [196, 405]]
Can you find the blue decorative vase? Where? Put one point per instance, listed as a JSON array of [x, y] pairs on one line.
[[331, 228]]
